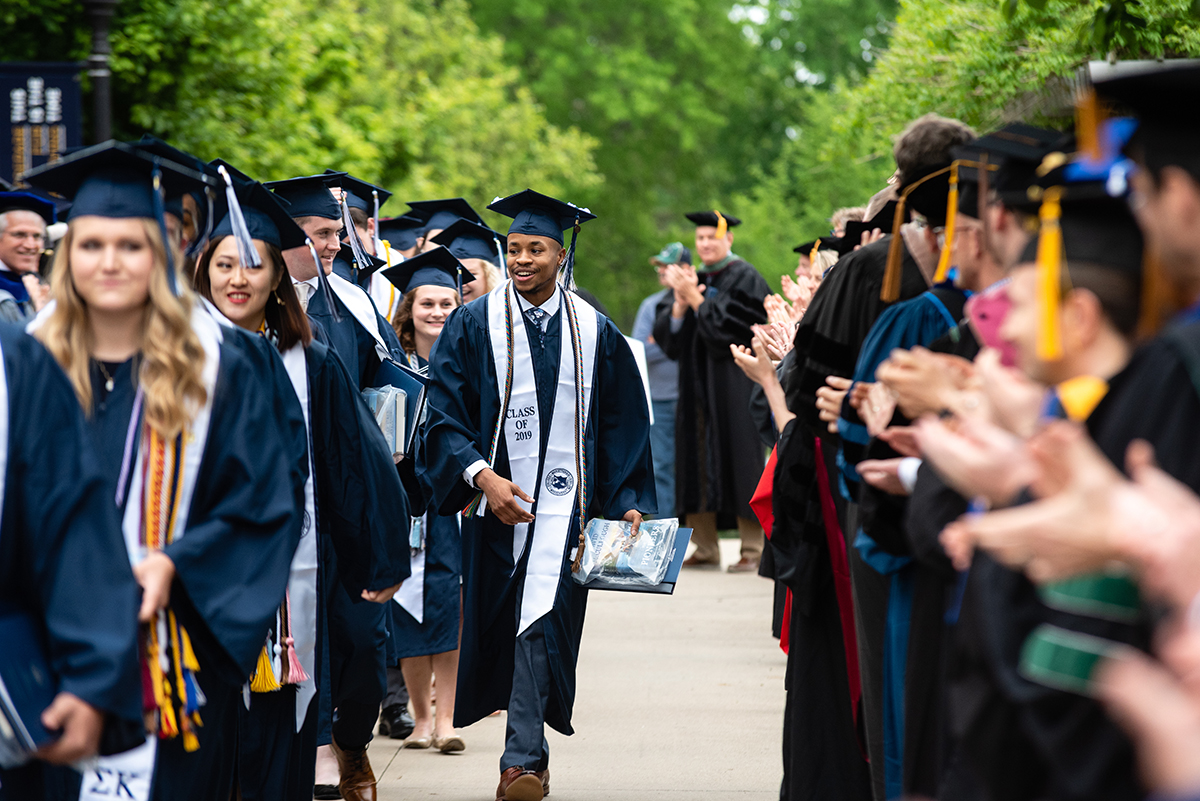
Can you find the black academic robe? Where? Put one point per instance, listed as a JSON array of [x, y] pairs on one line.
[[718, 456], [1024, 740], [442, 590], [233, 562], [63, 559], [828, 340], [463, 407], [354, 345]]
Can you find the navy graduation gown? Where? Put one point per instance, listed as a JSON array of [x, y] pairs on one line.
[[438, 631], [463, 406], [354, 345], [62, 556]]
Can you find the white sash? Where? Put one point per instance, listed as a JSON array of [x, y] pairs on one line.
[[411, 595], [302, 584], [559, 476], [360, 306]]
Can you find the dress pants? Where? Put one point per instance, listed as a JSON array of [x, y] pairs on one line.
[[397, 692], [662, 451], [704, 534], [525, 743], [357, 656]]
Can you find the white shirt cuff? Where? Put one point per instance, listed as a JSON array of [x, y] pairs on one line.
[[472, 471], [907, 472]]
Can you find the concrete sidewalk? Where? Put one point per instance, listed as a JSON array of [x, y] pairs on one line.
[[678, 698]]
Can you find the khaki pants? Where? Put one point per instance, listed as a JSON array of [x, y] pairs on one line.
[[704, 534]]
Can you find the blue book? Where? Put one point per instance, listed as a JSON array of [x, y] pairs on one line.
[[394, 374], [682, 537], [27, 687]]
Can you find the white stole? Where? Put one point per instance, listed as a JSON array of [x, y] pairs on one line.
[[560, 474], [361, 308], [302, 583]]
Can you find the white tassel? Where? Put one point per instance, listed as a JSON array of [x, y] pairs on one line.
[[247, 253]]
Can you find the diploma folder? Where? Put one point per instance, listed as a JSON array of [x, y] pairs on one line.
[[682, 537], [394, 374], [27, 687]]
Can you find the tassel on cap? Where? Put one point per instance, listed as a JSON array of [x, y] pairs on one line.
[[1088, 116], [1049, 275], [982, 202], [568, 268], [160, 204], [247, 253], [201, 239], [323, 282], [889, 292], [812, 254], [722, 225], [356, 245], [943, 268]]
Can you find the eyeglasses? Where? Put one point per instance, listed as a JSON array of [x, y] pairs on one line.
[[26, 235]]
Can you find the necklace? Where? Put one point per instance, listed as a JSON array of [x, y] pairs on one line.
[[108, 379]]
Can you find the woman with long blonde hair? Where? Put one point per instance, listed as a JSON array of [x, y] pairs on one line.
[[186, 430]]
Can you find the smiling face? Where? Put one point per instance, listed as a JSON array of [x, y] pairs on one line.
[[241, 292], [22, 241], [533, 263], [431, 306], [478, 287], [111, 262], [324, 235], [709, 247]]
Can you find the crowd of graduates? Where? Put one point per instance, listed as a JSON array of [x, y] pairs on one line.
[[980, 395]]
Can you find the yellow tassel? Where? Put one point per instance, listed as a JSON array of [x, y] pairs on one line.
[[943, 268], [1049, 275], [890, 291], [1087, 123], [264, 674], [1080, 396], [722, 226], [189, 656], [812, 254]]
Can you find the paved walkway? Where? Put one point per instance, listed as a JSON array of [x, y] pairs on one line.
[[679, 698]]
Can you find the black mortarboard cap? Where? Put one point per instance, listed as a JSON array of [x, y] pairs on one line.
[[467, 240], [25, 201], [441, 214], [359, 193], [115, 180], [540, 215], [436, 267], [1161, 94], [174, 202], [700, 218], [309, 196], [1013, 154], [362, 268], [401, 232], [266, 215], [824, 241]]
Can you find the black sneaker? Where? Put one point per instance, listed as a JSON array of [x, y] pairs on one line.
[[396, 723]]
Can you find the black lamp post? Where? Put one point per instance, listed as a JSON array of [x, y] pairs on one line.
[[101, 12]]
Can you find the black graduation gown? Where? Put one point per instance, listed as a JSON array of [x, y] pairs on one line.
[[827, 342], [438, 631], [356, 492], [463, 406], [718, 457], [1028, 741], [354, 345], [233, 562], [63, 559]]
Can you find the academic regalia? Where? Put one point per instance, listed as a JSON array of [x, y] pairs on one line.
[[463, 407], [717, 453], [885, 609], [15, 304], [62, 558], [441, 566]]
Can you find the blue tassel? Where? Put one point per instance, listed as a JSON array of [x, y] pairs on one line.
[[160, 217], [323, 282]]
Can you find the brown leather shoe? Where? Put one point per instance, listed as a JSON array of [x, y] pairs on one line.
[[744, 565], [518, 784], [358, 780], [692, 561]]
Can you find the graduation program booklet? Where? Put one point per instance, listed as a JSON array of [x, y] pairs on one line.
[[413, 384], [612, 557]]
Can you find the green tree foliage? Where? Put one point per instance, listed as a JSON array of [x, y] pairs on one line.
[[407, 93], [976, 60]]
